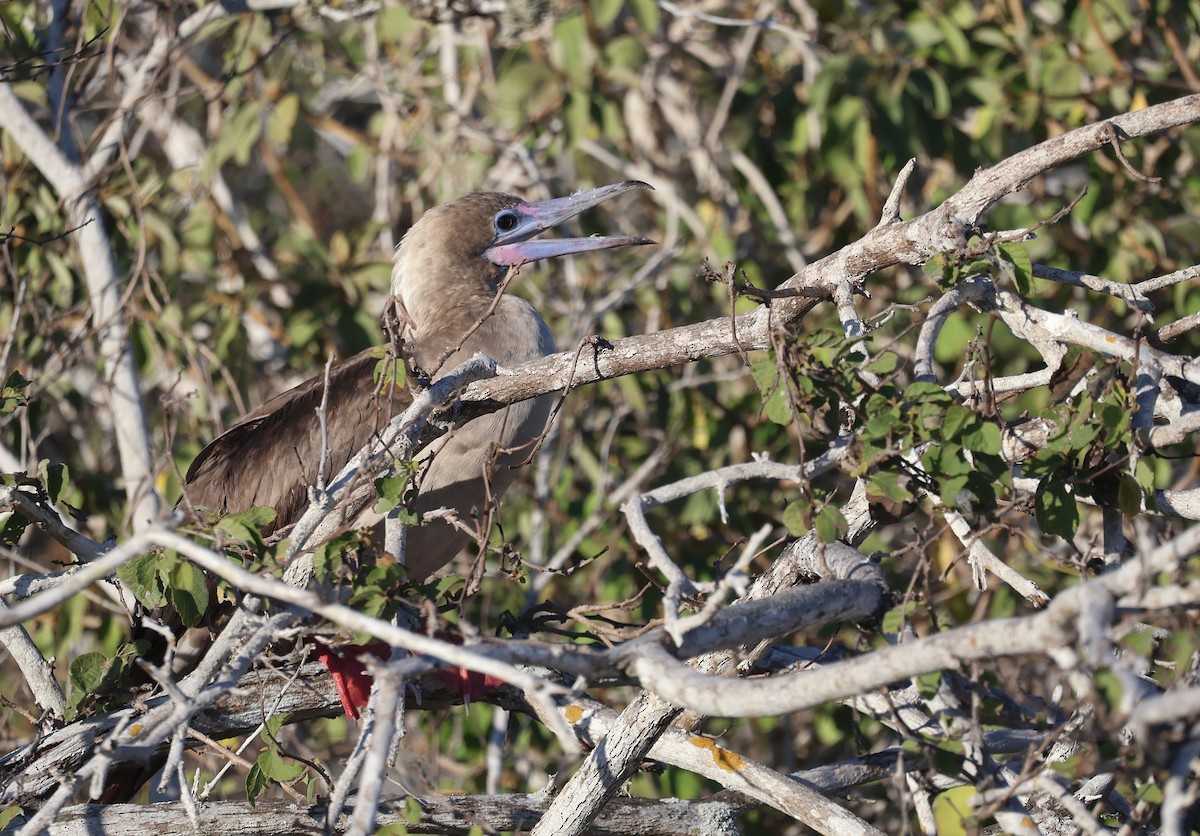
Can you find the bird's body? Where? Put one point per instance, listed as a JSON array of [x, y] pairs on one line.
[[447, 284]]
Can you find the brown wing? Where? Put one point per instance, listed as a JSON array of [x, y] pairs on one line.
[[272, 455]]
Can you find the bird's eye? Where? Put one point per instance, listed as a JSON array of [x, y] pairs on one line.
[[505, 221]]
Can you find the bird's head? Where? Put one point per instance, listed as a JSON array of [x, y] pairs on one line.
[[461, 250]]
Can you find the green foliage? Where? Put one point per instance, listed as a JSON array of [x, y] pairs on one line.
[[97, 679], [162, 577], [247, 526], [272, 765], [12, 394]]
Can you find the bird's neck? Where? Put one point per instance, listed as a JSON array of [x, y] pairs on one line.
[[435, 332], [505, 328]]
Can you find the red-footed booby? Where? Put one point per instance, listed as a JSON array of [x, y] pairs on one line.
[[448, 279]]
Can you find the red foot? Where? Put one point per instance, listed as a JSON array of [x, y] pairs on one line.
[[349, 674], [354, 684]]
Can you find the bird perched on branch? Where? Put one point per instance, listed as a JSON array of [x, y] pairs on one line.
[[448, 282]]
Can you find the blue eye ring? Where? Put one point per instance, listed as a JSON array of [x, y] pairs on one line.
[[505, 221]]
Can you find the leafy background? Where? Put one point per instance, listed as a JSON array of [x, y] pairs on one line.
[[333, 127]]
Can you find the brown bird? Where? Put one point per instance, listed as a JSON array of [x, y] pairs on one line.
[[448, 282], [448, 279]]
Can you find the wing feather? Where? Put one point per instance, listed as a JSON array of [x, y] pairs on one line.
[[272, 455]]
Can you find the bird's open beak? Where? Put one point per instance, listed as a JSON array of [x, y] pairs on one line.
[[513, 246]]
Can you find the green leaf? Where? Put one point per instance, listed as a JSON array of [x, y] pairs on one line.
[[56, 478], [1055, 508], [88, 671], [945, 460], [795, 517], [830, 524], [951, 490], [246, 525], [1110, 688], [886, 483], [1115, 418], [188, 590], [273, 724], [925, 392], [390, 490], [413, 811], [143, 577], [394, 22], [1015, 262], [12, 529], [647, 14], [956, 419], [283, 119], [12, 394], [984, 437], [274, 768], [327, 557], [952, 811], [1129, 495], [894, 618], [929, 683], [777, 408], [92, 673], [936, 268], [885, 363], [979, 267], [605, 12], [1150, 793], [390, 372], [256, 783], [1141, 642]]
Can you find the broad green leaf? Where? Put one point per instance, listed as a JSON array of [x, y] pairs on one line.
[[143, 577], [885, 363], [945, 460], [957, 418], [1055, 508], [647, 14], [605, 12], [929, 683], [12, 394], [936, 267], [389, 371], [777, 407], [1016, 263], [88, 671], [924, 392], [886, 483], [246, 525], [283, 119], [327, 557], [188, 590], [983, 437], [275, 768], [12, 528], [256, 783], [952, 811], [55, 477], [390, 490], [273, 724], [795, 517], [895, 618], [830, 524], [1129, 495]]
